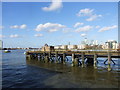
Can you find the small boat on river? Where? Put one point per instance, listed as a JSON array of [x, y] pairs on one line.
[[7, 51]]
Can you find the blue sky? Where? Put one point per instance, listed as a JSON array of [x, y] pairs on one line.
[[29, 24]]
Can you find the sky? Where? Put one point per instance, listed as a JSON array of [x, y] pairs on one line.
[[32, 24]]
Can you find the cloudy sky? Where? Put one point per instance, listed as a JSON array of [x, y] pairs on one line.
[[29, 24]]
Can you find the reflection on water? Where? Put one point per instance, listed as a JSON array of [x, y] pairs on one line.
[[78, 77], [17, 72]]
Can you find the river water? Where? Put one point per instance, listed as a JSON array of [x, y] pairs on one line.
[[17, 72]]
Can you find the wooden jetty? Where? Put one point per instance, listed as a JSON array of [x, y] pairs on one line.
[[78, 57]]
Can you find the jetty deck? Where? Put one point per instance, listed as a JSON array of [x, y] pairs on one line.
[[78, 57]]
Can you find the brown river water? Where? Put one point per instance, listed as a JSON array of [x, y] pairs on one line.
[[17, 72]]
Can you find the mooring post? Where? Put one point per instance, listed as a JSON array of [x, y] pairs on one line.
[[56, 57], [109, 61], [82, 56], [73, 57], [95, 61]]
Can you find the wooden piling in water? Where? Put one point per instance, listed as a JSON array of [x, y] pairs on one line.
[[46, 59], [73, 57], [56, 57], [95, 61], [82, 56], [109, 61], [76, 62], [63, 58]]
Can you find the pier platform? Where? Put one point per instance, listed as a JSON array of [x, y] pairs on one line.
[[78, 57]]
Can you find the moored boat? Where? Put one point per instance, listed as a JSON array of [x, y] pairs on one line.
[[7, 51]]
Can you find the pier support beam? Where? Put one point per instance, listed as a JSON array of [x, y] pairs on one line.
[[49, 56], [28, 57], [63, 58], [76, 62], [46, 59], [39, 57], [82, 56], [56, 57], [73, 57], [95, 61], [109, 61], [35, 57]]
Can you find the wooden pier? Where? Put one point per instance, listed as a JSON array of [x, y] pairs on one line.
[[78, 57]]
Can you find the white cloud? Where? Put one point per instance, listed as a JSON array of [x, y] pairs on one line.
[[82, 35], [38, 35], [89, 13], [50, 27], [1, 27], [84, 29], [14, 27], [66, 30], [14, 36], [97, 26], [78, 24], [93, 17], [55, 5], [2, 36], [85, 12], [23, 26], [107, 28]]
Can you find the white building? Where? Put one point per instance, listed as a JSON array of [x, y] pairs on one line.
[[82, 46], [72, 47], [64, 46], [57, 47], [110, 44]]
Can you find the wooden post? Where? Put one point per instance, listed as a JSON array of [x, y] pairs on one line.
[[31, 56], [95, 61], [82, 56], [63, 58], [56, 57], [43, 56], [28, 57], [109, 61], [73, 57], [49, 56], [39, 57], [36, 56], [75, 62], [46, 59]]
